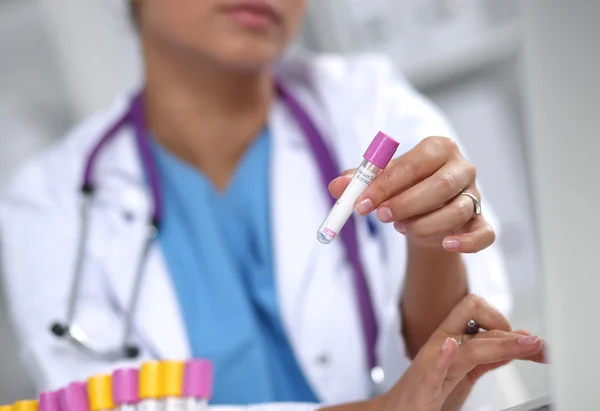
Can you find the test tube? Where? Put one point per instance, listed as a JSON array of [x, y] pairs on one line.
[[149, 387], [26, 405], [197, 384], [63, 400], [171, 385], [125, 388], [376, 157], [48, 401], [73, 397], [99, 388]]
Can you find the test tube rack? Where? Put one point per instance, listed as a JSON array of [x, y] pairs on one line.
[[155, 386]]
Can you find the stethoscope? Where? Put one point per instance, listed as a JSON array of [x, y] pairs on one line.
[[134, 117]]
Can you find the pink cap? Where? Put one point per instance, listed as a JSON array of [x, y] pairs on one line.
[[198, 379], [48, 401], [381, 150], [63, 400], [76, 396], [125, 386]]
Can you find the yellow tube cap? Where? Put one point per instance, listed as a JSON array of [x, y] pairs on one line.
[[28, 405], [171, 378], [149, 380], [99, 390], [6, 408]]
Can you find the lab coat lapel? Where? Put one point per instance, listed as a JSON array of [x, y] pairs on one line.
[[314, 281], [122, 192], [295, 216]]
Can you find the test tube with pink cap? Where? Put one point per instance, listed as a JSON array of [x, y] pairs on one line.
[[197, 384], [125, 389], [376, 157], [62, 399], [73, 397], [48, 401]]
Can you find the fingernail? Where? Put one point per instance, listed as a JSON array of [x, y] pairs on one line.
[[527, 341], [445, 346], [364, 206], [400, 227], [385, 214], [451, 244]]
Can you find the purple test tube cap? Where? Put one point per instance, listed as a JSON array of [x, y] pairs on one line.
[[48, 401], [77, 398], [63, 399], [198, 379], [125, 386], [381, 150]]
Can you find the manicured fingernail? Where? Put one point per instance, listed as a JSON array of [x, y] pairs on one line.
[[527, 341], [451, 244], [385, 215], [400, 227], [364, 206], [445, 346]]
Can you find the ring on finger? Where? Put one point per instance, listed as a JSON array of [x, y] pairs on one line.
[[472, 328], [476, 202]]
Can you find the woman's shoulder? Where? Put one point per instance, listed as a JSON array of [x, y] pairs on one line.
[[366, 93], [349, 73], [57, 169]]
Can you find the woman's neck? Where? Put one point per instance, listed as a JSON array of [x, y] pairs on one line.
[[203, 112]]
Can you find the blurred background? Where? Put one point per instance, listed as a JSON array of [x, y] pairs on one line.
[[64, 59]]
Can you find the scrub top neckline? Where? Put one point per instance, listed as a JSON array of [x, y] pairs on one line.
[[199, 176]]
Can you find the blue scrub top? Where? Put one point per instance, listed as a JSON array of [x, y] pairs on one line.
[[218, 251]]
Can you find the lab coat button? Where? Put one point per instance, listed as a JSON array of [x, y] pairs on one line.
[[323, 360]]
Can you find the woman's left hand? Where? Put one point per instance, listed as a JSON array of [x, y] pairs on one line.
[[420, 192]]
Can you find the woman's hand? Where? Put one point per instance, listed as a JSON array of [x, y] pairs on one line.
[[420, 193], [443, 373], [443, 367]]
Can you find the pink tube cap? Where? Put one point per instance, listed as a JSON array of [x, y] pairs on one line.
[[77, 399], [63, 399], [381, 150], [48, 401], [198, 379], [125, 386]]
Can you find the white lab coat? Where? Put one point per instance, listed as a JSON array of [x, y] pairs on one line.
[[349, 99]]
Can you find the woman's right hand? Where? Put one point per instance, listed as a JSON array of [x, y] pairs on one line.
[[444, 372]]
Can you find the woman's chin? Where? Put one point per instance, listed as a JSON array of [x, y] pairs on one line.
[[248, 61]]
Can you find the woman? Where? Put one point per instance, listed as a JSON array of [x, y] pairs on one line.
[[226, 166]]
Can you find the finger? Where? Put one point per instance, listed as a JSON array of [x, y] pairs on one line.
[[493, 350], [538, 357], [473, 307], [337, 186], [432, 379], [481, 370], [406, 171], [430, 194], [479, 236], [455, 214]]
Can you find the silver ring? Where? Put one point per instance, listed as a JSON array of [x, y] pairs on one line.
[[476, 202], [472, 328]]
